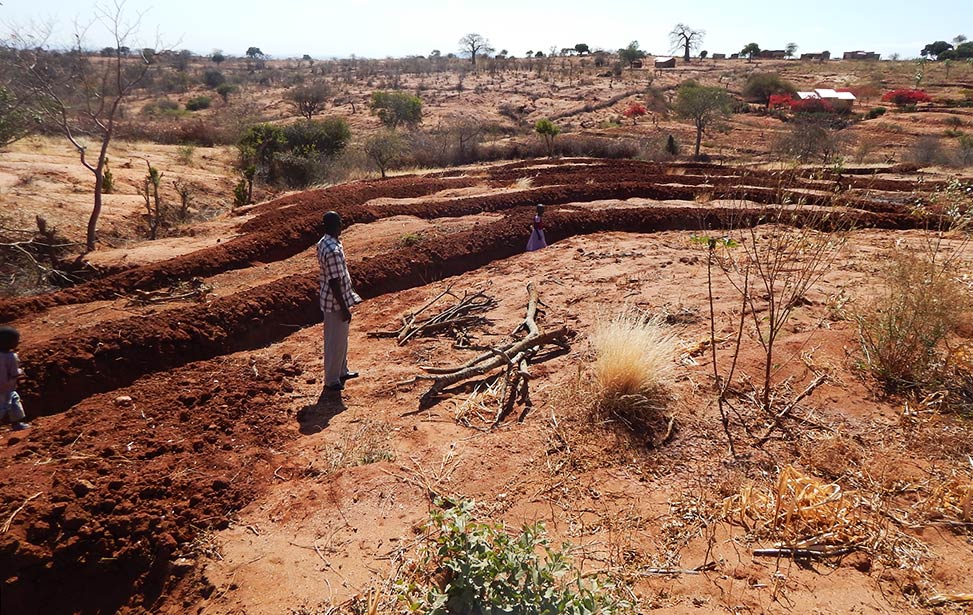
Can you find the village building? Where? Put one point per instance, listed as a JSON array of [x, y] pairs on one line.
[[665, 63], [861, 55], [840, 101], [771, 54], [820, 57], [719, 56]]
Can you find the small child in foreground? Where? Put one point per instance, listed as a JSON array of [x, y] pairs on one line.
[[10, 407]]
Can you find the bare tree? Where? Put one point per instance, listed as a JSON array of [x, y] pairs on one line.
[[80, 96], [685, 38], [472, 44]]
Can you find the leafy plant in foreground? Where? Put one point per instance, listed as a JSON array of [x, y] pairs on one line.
[[475, 568]]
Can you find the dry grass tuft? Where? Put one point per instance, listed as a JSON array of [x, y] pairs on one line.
[[524, 183], [369, 443], [634, 355], [904, 331], [634, 365]]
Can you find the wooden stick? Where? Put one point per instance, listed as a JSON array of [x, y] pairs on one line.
[[10, 519], [787, 409], [823, 551]]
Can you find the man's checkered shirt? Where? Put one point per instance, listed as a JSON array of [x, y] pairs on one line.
[[331, 257]]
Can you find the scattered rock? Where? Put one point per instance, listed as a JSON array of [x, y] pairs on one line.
[[82, 488], [123, 400]]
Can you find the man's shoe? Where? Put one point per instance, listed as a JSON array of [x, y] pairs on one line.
[[334, 387], [20, 426], [349, 376]]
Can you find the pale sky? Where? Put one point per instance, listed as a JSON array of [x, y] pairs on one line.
[[380, 28]]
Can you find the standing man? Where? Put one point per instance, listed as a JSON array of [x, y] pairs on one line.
[[337, 298]]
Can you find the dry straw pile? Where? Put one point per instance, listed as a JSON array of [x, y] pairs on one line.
[[800, 510], [809, 517]]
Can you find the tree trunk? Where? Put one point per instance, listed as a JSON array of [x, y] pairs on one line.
[[686, 55], [95, 213], [699, 139]]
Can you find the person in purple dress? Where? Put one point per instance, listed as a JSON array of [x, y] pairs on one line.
[[537, 239]]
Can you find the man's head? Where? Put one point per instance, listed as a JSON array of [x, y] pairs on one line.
[[332, 223], [9, 338]]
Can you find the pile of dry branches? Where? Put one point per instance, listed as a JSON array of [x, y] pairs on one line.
[[512, 357], [457, 319]]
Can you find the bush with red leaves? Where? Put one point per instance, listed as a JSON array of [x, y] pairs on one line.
[[779, 101], [905, 98], [811, 105], [635, 111]]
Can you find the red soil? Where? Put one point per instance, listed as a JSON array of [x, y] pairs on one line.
[[138, 480]]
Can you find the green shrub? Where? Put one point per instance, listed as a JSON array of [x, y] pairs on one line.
[[198, 103], [107, 179], [472, 567], [213, 78], [184, 154], [241, 194], [875, 112], [324, 138], [396, 108], [259, 148], [164, 107], [548, 130], [225, 89], [760, 86], [672, 148]]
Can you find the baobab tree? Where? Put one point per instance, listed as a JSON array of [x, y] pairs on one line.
[[685, 38], [79, 97], [474, 43]]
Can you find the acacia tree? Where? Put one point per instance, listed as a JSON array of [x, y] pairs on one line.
[[704, 106], [385, 150], [750, 50], [309, 99], [17, 119], [790, 50], [81, 98], [685, 38], [474, 43], [395, 108], [548, 130], [629, 55]]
